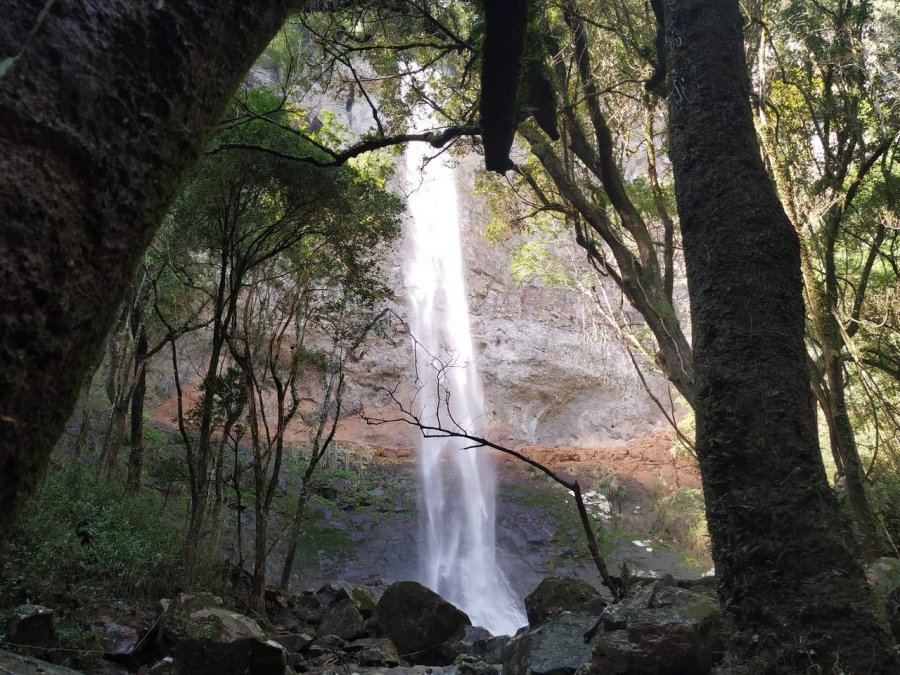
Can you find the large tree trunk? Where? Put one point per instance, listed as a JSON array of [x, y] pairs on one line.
[[107, 106], [785, 556]]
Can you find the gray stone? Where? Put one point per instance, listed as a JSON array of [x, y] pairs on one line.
[[374, 652], [418, 621], [478, 643], [561, 594], [115, 637], [31, 625], [556, 648], [667, 631], [342, 619], [18, 664], [466, 664]]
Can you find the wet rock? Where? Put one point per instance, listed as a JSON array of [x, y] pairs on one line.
[[663, 630], [115, 637], [374, 652], [18, 664], [31, 625], [342, 619], [556, 648], [418, 621], [212, 640], [561, 594]]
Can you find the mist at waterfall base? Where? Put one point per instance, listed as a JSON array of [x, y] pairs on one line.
[[458, 554]]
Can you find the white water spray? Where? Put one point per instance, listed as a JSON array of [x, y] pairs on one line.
[[458, 559]]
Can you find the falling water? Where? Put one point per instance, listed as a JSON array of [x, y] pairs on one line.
[[458, 559]]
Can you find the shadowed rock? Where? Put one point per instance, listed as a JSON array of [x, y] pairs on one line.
[[419, 622]]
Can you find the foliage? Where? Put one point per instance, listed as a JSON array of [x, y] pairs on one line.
[[678, 516], [76, 536]]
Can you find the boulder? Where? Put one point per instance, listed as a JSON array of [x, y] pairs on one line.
[[661, 630], [418, 621], [31, 625], [374, 652], [561, 594], [19, 664], [327, 593], [213, 640], [342, 619], [115, 638], [555, 648]]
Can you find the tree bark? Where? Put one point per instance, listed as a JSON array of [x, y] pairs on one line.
[[785, 555], [105, 108]]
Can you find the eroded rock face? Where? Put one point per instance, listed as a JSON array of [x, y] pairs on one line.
[[418, 621], [558, 594], [552, 372]]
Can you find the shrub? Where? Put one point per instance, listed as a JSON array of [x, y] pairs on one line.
[[679, 516], [77, 535]]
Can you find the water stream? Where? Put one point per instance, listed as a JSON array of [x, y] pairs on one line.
[[458, 558]]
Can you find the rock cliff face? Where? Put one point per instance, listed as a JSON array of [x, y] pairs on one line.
[[550, 377]]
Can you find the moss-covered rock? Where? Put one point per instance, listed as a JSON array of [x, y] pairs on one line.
[[212, 640], [561, 594], [555, 648]]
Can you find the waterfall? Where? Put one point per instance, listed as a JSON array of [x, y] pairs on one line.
[[458, 553]]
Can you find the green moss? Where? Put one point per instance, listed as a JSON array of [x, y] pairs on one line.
[[319, 539]]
